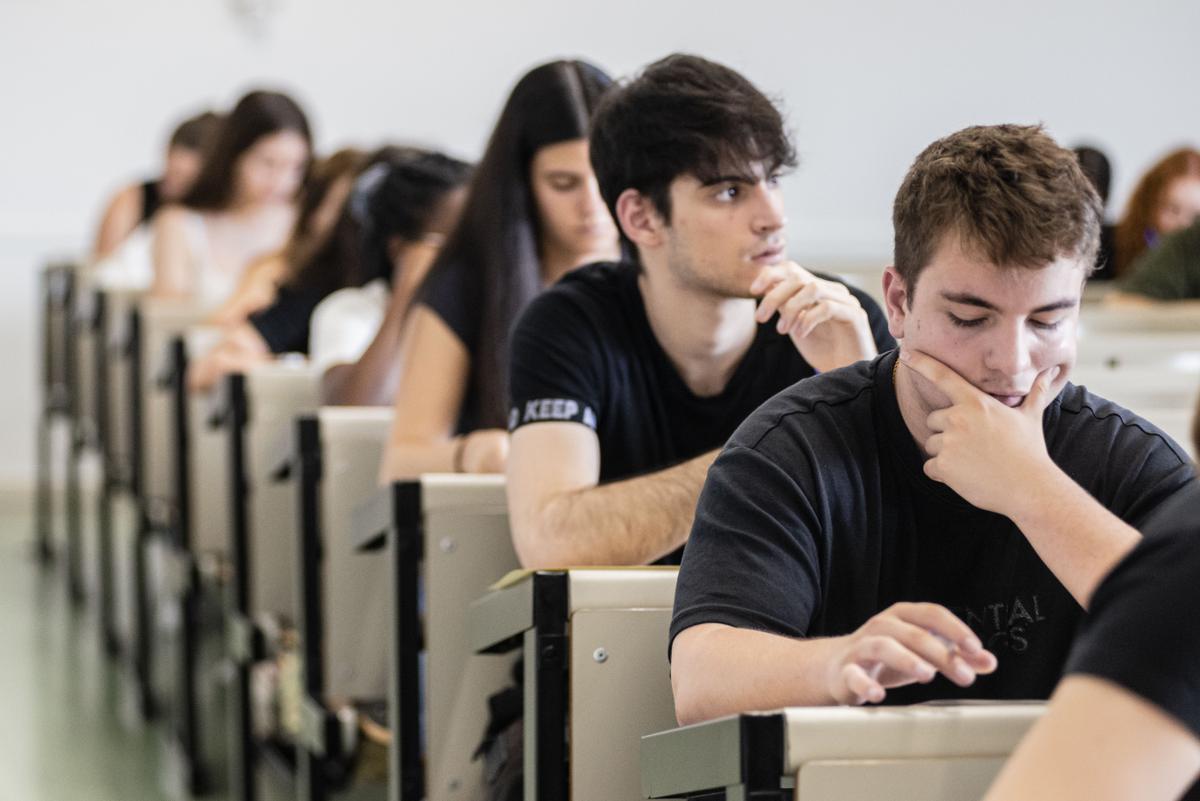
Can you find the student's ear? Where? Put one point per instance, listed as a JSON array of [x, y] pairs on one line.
[[896, 300], [639, 219]]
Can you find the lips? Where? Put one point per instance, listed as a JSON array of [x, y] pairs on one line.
[[1009, 400], [768, 255]]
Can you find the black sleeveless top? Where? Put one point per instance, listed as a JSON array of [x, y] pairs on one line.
[[151, 200]]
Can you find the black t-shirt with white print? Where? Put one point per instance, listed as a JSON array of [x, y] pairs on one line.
[[818, 515], [584, 351]]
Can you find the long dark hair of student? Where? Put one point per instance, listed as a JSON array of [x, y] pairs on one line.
[[323, 176], [256, 115], [497, 237], [394, 195]]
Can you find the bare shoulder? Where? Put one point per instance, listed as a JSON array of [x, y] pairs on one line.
[[170, 219], [127, 202]]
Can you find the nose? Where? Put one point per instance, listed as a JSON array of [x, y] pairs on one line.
[[591, 204], [1008, 351], [767, 210]]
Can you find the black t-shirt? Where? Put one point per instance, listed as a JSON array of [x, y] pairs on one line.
[[584, 351], [284, 325], [818, 515], [456, 296], [1137, 633]]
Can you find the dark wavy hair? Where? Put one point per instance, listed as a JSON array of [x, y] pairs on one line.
[[323, 176], [258, 114], [683, 115], [496, 242], [395, 194]]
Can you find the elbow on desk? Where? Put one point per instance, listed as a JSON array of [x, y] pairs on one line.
[[691, 685], [536, 546]]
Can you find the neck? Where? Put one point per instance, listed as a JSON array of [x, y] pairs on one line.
[[557, 262], [704, 335], [912, 408]]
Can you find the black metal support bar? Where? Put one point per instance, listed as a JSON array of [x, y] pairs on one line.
[[143, 615], [552, 671], [43, 503], [762, 756], [74, 506], [236, 416], [311, 785], [104, 512], [187, 702], [52, 289], [407, 772]]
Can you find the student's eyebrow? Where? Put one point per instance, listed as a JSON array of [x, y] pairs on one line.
[[967, 299], [1065, 303], [728, 179]]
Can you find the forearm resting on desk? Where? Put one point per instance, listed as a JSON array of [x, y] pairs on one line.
[[631, 522]]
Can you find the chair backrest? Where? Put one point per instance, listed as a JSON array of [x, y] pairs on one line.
[[58, 297], [903, 754], [356, 600], [909, 753], [596, 672], [276, 394], [160, 322], [118, 455], [620, 684], [208, 456], [85, 331], [467, 546]]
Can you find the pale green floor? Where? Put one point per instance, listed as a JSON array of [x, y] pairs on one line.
[[69, 725], [63, 734]]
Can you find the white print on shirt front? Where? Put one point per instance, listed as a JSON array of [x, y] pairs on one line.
[[552, 409], [1002, 625]]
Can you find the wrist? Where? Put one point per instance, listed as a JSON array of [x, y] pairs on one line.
[[1040, 492], [460, 445]]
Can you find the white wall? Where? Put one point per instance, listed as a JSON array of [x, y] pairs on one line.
[[89, 88]]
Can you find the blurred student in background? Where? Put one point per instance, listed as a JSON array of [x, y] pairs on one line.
[[1166, 199], [394, 207], [1096, 167], [135, 204], [242, 205], [321, 201], [121, 250], [1169, 272], [533, 213], [406, 215]]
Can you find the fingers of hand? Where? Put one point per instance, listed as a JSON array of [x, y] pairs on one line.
[[1041, 394], [860, 687], [901, 664], [934, 649], [932, 652], [801, 298], [941, 622], [829, 310], [780, 292]]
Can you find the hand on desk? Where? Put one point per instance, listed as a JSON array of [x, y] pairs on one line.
[[905, 644]]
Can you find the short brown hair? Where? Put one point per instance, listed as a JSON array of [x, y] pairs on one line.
[[1009, 192]]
